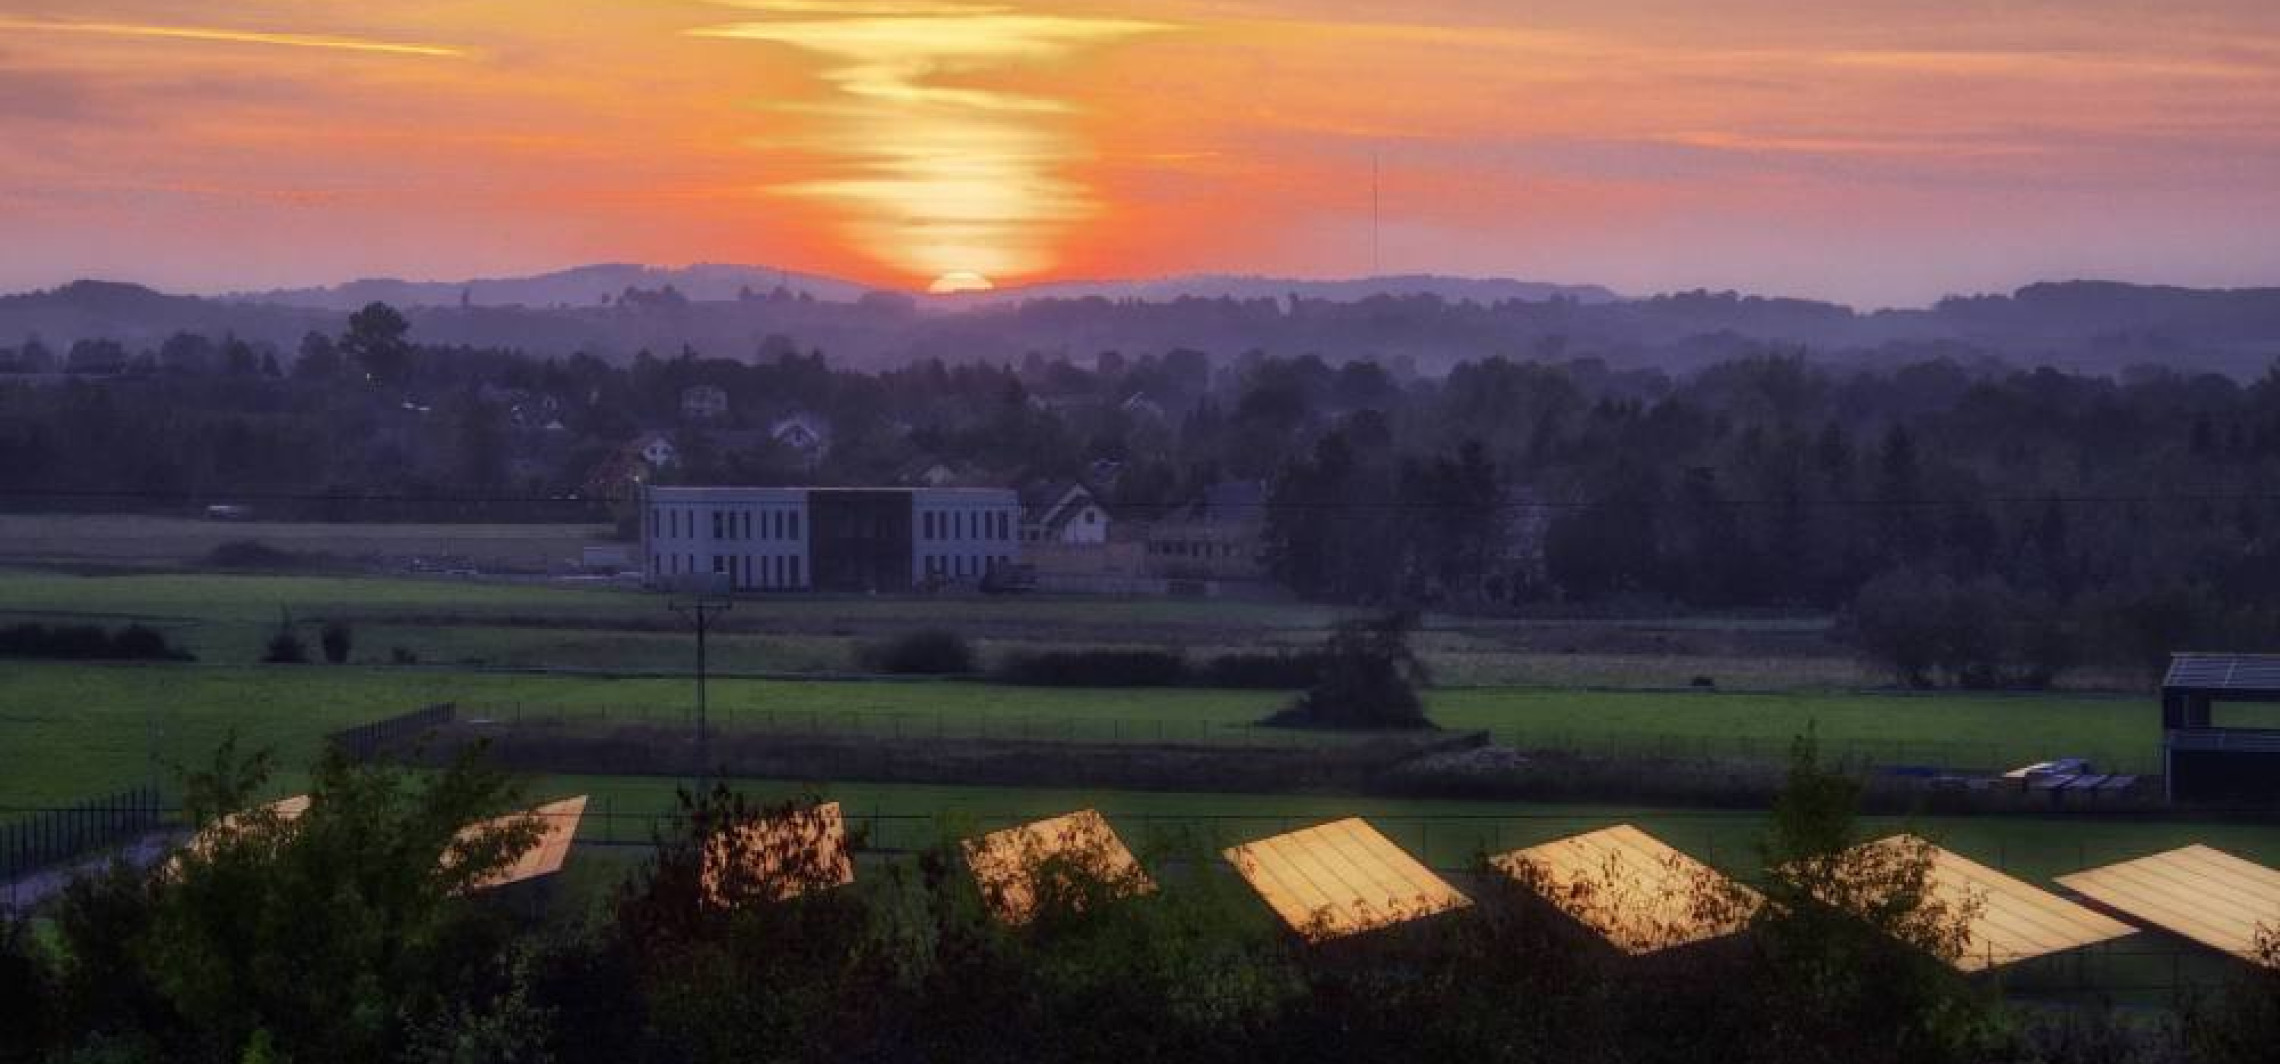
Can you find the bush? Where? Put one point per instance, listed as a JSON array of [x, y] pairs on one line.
[[1288, 671], [926, 652], [1369, 680], [135, 642], [1095, 668], [403, 656], [1929, 629], [285, 648], [251, 554], [336, 640]]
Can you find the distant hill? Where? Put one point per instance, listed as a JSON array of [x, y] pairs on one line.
[[1425, 323], [583, 286], [1223, 286]]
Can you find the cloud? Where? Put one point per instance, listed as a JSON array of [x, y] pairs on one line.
[[233, 36]]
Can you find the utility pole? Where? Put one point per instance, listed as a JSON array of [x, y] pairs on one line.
[[1375, 214], [702, 603]]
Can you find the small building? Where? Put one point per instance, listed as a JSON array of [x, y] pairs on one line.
[[832, 539], [2203, 760], [655, 451], [1063, 512], [1216, 536], [805, 433], [704, 402]]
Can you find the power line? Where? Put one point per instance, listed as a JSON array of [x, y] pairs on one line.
[[1806, 502]]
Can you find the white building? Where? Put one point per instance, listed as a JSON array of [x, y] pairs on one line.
[[831, 539]]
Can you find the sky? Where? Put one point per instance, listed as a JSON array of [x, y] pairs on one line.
[[1878, 152]]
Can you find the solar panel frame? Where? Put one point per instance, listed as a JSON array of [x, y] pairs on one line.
[[2197, 892], [1341, 878], [2017, 921], [1624, 885], [1003, 861]]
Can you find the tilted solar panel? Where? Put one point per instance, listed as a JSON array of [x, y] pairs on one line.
[[1341, 878], [2199, 892]]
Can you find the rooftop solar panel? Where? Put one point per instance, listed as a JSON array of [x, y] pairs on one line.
[[1341, 878], [2199, 892], [2224, 672], [2015, 921], [1008, 863], [1635, 891], [785, 856], [558, 825]]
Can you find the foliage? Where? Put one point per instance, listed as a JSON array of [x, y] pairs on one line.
[[1368, 679], [336, 639], [133, 642], [327, 936], [1927, 629], [1854, 945], [925, 652], [2242, 1023]]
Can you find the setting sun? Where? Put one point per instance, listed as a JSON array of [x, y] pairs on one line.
[[960, 281]]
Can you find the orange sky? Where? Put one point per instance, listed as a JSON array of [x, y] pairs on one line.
[[1878, 151]]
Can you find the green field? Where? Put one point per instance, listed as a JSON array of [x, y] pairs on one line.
[[73, 729], [226, 619]]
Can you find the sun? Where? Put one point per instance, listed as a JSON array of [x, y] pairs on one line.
[[960, 281]]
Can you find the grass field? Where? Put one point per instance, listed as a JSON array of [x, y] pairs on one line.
[[227, 618], [68, 730], [141, 540]]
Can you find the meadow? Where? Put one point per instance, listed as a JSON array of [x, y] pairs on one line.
[[74, 729]]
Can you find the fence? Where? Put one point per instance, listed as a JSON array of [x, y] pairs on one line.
[[366, 741], [52, 836], [939, 724]]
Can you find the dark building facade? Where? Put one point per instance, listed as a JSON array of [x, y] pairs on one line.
[[2204, 760]]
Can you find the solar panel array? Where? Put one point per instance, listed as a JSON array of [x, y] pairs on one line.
[[1006, 863], [2014, 921], [2199, 892], [1638, 893], [558, 825], [1341, 878], [786, 856]]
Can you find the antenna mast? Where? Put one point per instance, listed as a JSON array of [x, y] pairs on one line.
[[1374, 212]]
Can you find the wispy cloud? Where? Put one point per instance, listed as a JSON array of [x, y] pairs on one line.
[[223, 35]]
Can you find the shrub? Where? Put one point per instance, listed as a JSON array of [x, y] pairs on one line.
[[1286, 671], [403, 656], [926, 652], [251, 554], [336, 640], [1369, 677], [285, 648], [134, 642], [1095, 668]]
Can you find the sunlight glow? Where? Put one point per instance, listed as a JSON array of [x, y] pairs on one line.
[[933, 179]]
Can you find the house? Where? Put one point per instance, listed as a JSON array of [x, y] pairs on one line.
[[655, 451], [805, 433], [1216, 536], [927, 473], [1063, 513], [704, 402]]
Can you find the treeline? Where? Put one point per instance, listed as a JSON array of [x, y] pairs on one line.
[[348, 935], [133, 642], [1766, 481]]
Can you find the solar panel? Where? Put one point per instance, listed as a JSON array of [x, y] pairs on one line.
[[1636, 892], [285, 809], [1341, 878], [558, 825], [1007, 864], [2199, 892], [2224, 672], [2014, 921], [784, 856]]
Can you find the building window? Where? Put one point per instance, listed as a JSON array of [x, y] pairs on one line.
[[795, 525]]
